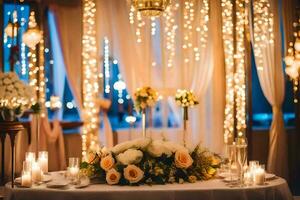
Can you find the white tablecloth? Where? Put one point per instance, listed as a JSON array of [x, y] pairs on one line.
[[215, 189]]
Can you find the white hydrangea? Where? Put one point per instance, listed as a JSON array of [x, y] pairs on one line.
[[130, 156], [134, 144], [158, 147], [14, 93], [173, 146], [119, 148]]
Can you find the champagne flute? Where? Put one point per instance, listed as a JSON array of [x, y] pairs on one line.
[[241, 156], [231, 157]]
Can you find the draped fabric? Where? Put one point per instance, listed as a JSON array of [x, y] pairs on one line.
[[70, 30], [137, 68], [69, 27], [271, 79], [50, 139]]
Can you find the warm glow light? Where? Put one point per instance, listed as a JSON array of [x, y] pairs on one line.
[[150, 8], [234, 49], [33, 35], [90, 80]]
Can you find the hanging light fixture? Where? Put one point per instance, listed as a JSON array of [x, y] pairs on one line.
[[33, 35], [11, 30], [151, 8]]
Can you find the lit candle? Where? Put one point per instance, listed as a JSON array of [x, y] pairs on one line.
[[248, 178], [26, 179], [36, 172], [73, 171], [30, 157], [259, 176], [43, 161]]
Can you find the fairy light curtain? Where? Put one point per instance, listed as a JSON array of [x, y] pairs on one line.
[[170, 52], [266, 41]]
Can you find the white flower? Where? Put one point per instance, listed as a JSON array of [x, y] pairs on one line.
[[134, 144], [10, 87], [1, 75], [130, 156], [6, 81], [141, 143], [158, 147], [119, 148], [175, 146]]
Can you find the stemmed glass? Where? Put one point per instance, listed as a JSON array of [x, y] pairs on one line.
[[241, 156], [231, 150]]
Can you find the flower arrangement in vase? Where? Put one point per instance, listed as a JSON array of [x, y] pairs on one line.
[[146, 161], [185, 99], [144, 98], [15, 97]]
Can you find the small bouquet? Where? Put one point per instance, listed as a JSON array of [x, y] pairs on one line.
[[15, 96], [146, 161], [145, 97], [185, 98]]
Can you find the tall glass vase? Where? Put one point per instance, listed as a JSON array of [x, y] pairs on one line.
[[144, 122], [185, 122], [37, 129]]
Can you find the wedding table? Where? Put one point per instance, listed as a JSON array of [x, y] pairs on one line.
[[215, 189]]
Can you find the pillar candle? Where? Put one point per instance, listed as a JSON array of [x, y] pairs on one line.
[[43, 161], [26, 179], [259, 176], [36, 172]]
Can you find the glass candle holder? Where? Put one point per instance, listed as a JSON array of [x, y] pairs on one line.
[[73, 169], [30, 157], [43, 161], [36, 172], [26, 180], [260, 175]]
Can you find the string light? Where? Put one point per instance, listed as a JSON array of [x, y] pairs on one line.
[[41, 82], [262, 29], [228, 41], [120, 86], [170, 33], [106, 66], [90, 79], [239, 77]]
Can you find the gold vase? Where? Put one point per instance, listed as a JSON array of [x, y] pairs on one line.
[[185, 121], [144, 122]]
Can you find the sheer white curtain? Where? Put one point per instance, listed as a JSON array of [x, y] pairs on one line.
[[70, 30], [135, 62], [271, 79]]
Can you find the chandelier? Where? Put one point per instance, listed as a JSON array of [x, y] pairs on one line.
[[150, 8], [292, 59], [33, 35]]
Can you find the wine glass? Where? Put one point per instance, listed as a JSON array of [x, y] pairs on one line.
[[241, 156]]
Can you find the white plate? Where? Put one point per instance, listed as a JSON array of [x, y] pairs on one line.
[[226, 174], [57, 184], [47, 178], [270, 176], [231, 179]]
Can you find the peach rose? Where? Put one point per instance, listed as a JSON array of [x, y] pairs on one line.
[[113, 177], [133, 173], [107, 162], [183, 159]]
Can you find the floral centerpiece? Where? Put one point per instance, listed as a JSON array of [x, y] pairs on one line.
[[185, 99], [144, 98], [146, 161], [15, 96]]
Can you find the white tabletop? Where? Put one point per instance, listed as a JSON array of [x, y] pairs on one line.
[[214, 189]]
